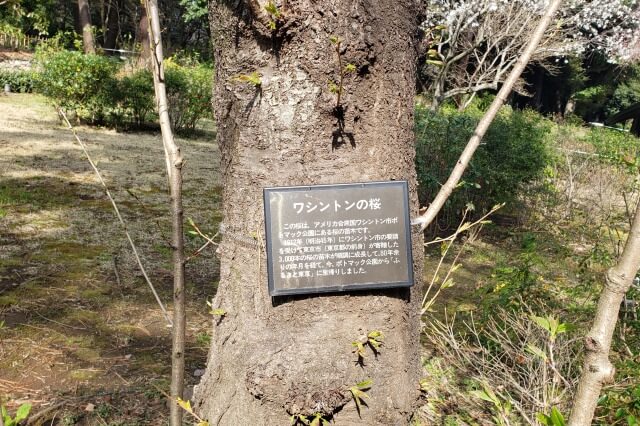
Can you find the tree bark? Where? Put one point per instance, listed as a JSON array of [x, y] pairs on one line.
[[112, 26], [173, 159], [271, 358], [597, 369], [84, 18], [142, 38]]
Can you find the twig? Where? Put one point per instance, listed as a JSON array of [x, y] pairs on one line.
[[174, 162], [125, 381], [462, 227], [33, 418], [8, 384], [48, 330], [59, 323], [209, 240], [115, 208]]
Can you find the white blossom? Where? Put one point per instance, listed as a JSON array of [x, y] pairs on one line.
[[473, 43], [612, 25]]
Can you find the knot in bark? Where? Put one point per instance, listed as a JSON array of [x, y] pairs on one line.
[[302, 399], [326, 402], [617, 283], [592, 344], [603, 370]]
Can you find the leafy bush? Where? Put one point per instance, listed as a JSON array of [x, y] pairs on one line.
[[60, 41], [189, 93], [621, 404], [625, 95], [77, 81], [518, 365], [513, 152], [10, 29], [137, 96], [92, 86], [590, 101], [616, 147], [20, 81]]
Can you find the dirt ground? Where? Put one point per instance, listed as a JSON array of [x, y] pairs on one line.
[[81, 336], [12, 55]]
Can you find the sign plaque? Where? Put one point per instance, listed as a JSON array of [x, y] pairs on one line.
[[332, 238]]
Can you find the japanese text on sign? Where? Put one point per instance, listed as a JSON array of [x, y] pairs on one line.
[[309, 207]]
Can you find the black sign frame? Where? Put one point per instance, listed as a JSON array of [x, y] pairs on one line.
[[273, 291]]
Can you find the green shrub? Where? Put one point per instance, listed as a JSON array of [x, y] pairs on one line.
[[137, 96], [90, 85], [10, 29], [61, 40], [189, 93], [513, 152], [76, 81], [516, 279], [616, 147], [627, 93], [591, 101], [21, 81]]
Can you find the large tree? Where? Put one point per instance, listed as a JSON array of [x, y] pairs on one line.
[[110, 24], [142, 38], [84, 22], [281, 122], [471, 45]]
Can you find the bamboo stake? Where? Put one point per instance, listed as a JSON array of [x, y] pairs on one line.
[[117, 210]]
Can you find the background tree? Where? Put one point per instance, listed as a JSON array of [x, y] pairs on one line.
[[472, 44], [483, 125], [84, 19], [116, 23], [143, 39], [109, 16], [33, 17], [273, 358]]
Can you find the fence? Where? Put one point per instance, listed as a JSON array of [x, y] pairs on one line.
[[19, 42]]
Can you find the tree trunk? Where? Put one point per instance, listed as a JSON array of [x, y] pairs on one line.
[[142, 38], [539, 88], [112, 26], [597, 369], [84, 18], [271, 358], [438, 92], [173, 160], [570, 107]]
